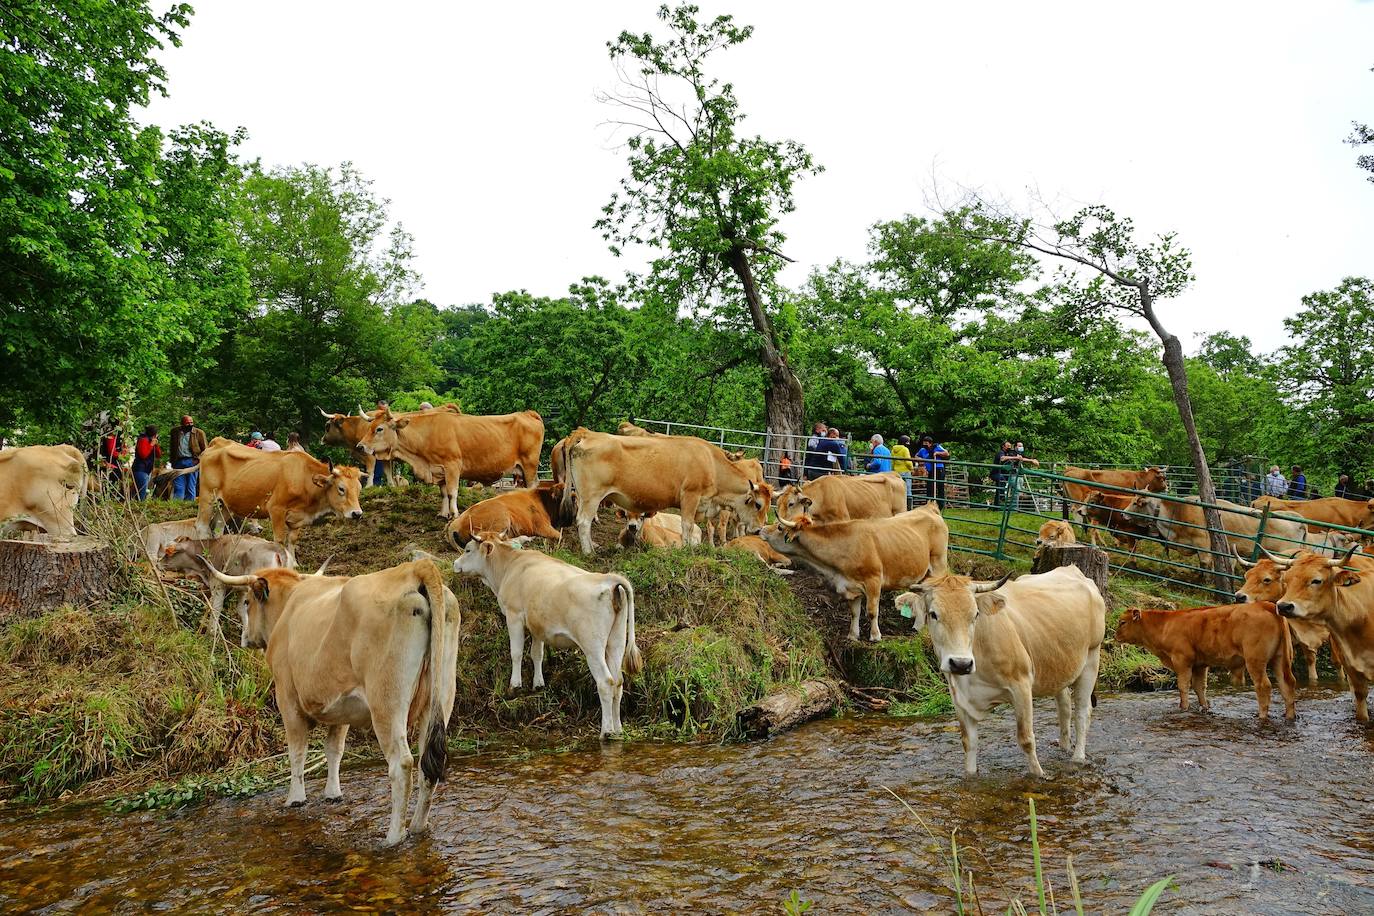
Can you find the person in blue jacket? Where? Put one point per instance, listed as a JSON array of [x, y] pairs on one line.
[[881, 459], [932, 453]]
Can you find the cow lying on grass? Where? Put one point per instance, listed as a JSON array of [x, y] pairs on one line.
[[1188, 642], [378, 651], [533, 512], [656, 529], [563, 606]]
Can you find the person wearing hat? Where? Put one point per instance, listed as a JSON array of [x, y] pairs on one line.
[[254, 439], [933, 455], [187, 442]]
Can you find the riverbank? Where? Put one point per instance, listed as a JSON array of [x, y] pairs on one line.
[[113, 700]]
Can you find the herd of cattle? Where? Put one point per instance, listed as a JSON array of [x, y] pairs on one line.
[[380, 650]]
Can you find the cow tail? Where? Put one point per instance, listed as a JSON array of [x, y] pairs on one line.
[[434, 727], [1285, 665], [567, 505], [623, 601]]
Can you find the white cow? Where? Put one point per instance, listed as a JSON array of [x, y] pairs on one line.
[[563, 606], [1009, 642]]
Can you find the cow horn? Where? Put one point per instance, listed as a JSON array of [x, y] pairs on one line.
[[361, 412], [981, 587], [231, 581], [786, 523], [1280, 562], [325, 565], [1241, 560], [1341, 561], [327, 416]]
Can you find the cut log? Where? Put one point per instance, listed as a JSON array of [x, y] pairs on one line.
[[1091, 560], [37, 576], [788, 708]]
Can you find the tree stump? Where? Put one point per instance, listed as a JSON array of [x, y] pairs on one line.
[[37, 576], [788, 708], [1091, 560]]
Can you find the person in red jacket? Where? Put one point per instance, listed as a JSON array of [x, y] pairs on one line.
[[112, 462], [147, 455]]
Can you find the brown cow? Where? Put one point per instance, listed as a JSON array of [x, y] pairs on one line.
[[291, 488], [1113, 512], [536, 512], [1264, 582], [1055, 533], [655, 529], [1190, 641], [837, 498], [1331, 510], [1340, 594], [756, 545], [1151, 479], [40, 486], [450, 447]]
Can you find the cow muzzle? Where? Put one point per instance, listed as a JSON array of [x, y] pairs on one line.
[[356, 514], [1240, 597], [1288, 609], [959, 665]]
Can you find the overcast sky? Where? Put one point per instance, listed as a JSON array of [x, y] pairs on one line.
[[1221, 121]]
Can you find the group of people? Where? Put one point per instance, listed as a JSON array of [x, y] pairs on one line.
[[827, 452]]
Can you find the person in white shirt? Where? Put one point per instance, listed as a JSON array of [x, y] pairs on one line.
[[267, 443], [1275, 484]]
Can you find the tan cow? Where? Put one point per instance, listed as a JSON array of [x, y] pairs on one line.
[[378, 651], [659, 529], [1264, 582], [1190, 641], [863, 557], [1001, 642], [1340, 594], [536, 512], [233, 554], [157, 537], [1184, 526], [1331, 510], [565, 607], [837, 498], [1055, 533], [650, 474], [629, 429], [1152, 480], [291, 488], [449, 447], [40, 486], [756, 545]]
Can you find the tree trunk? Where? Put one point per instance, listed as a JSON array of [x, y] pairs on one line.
[[789, 708], [1091, 560], [37, 576]]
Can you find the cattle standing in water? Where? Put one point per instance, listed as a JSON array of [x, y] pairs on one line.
[[377, 651], [836, 498], [232, 554], [1264, 582], [291, 488], [565, 607], [40, 485], [862, 557], [1188, 642], [536, 512], [1003, 642]]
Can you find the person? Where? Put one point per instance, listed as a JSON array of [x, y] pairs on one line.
[[147, 455], [254, 439], [934, 456], [268, 444], [1343, 486], [380, 467], [1274, 484], [187, 442], [1298, 484], [786, 475], [840, 462], [815, 463], [293, 442], [881, 460], [111, 460], [901, 463], [426, 405], [1001, 466]]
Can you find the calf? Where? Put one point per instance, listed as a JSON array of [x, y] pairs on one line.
[[1010, 642], [1112, 511], [563, 606], [534, 512], [656, 529], [159, 536], [1190, 641], [759, 548], [1055, 533], [234, 554], [1264, 582], [378, 651]]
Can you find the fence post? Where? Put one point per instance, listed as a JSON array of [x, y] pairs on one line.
[[1013, 496], [1259, 532]]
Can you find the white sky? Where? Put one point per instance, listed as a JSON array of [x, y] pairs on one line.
[[1221, 121]]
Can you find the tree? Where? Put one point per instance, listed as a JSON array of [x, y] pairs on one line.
[[82, 320], [1363, 135], [707, 197]]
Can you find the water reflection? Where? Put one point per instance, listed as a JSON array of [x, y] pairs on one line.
[[1251, 817]]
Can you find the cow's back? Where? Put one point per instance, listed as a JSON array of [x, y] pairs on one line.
[[1056, 618], [650, 473], [44, 481], [488, 446], [836, 498]]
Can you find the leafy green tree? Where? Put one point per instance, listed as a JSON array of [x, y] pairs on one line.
[[83, 320], [704, 195], [1362, 135]]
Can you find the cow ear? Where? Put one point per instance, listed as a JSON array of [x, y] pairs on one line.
[[1135, 614], [487, 547], [991, 602], [1348, 578], [260, 589], [402, 422], [806, 501], [320, 480], [915, 603]]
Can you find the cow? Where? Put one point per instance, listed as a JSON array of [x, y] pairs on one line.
[[1151, 480], [657, 529], [1184, 526], [565, 607], [1340, 594], [450, 447], [233, 554], [1113, 512], [1005, 641], [1264, 582], [378, 651], [756, 545], [291, 488], [1055, 533], [348, 432], [155, 538], [536, 512], [40, 486], [861, 558], [650, 474], [1331, 510], [837, 498], [1190, 641], [629, 429]]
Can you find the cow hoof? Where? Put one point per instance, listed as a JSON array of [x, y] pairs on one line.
[[296, 803], [333, 799]]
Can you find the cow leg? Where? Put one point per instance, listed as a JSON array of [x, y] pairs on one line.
[[586, 514], [874, 596], [1083, 704], [205, 511], [1338, 662], [1263, 686], [1200, 686], [1310, 654], [423, 796], [297, 735], [1238, 676], [968, 734], [855, 604], [1184, 673], [217, 595], [333, 753], [537, 656], [391, 734], [516, 627], [1025, 728], [1359, 688], [690, 502], [1063, 701], [605, 689]]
